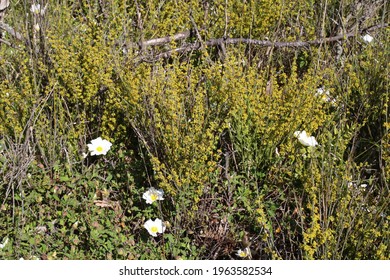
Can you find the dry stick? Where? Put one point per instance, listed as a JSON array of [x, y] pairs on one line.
[[226, 41], [219, 41], [140, 25], [166, 40], [5, 42], [11, 31]]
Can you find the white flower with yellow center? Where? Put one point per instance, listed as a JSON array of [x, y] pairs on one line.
[[325, 95], [99, 146], [37, 9], [152, 195], [304, 139], [154, 227], [243, 253]]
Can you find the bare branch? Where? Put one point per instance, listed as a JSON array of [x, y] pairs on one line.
[[215, 42], [166, 40], [4, 5], [5, 42], [183, 49], [230, 41], [11, 31]]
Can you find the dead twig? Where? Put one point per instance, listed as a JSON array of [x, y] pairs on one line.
[[221, 42], [11, 31], [231, 41]]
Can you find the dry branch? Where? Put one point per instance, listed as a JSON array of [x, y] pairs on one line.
[[166, 40], [229, 41], [11, 31], [214, 42]]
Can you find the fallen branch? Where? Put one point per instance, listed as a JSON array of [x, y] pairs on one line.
[[11, 31], [230, 41], [166, 40], [5, 42], [213, 42]]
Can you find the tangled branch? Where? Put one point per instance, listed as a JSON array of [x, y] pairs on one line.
[[213, 42], [11, 31], [231, 41]]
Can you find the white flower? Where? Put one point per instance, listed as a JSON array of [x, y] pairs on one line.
[[354, 185], [367, 38], [325, 95], [36, 27], [36, 9], [243, 253], [154, 227], [2, 245], [152, 195], [320, 91], [304, 139], [99, 146]]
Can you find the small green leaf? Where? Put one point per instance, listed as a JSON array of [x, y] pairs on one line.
[[64, 178]]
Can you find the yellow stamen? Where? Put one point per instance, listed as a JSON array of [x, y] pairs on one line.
[[153, 197]]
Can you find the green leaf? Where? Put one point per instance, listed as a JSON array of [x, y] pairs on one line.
[[64, 178]]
